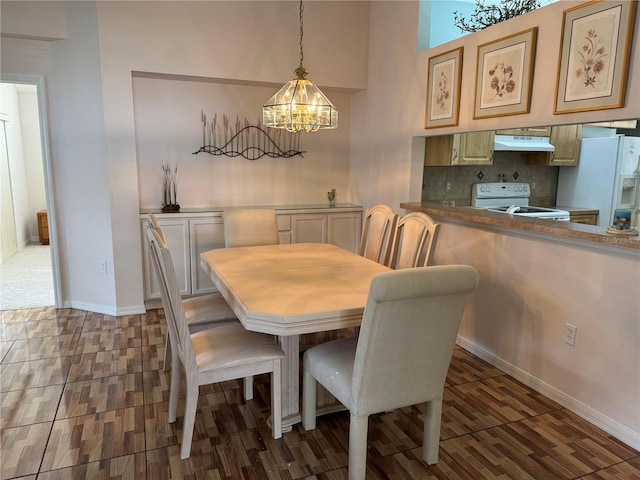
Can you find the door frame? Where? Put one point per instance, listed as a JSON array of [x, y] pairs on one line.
[[49, 187]]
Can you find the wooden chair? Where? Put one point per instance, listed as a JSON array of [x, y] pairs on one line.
[[204, 311], [377, 232], [213, 355], [247, 227], [153, 223], [414, 241], [400, 358]]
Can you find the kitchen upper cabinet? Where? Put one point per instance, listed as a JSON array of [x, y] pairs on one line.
[[566, 141], [527, 131], [475, 148]]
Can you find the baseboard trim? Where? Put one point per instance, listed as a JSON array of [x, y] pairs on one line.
[[108, 310], [619, 431]]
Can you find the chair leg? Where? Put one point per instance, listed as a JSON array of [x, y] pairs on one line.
[[189, 420], [174, 387], [166, 349], [358, 447], [276, 399], [431, 437], [309, 388], [248, 388]]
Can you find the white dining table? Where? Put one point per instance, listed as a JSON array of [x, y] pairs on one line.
[[290, 290]]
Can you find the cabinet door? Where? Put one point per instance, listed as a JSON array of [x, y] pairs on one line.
[[204, 234], [474, 148], [311, 228], [176, 234], [284, 229], [344, 230], [590, 219], [438, 151], [566, 140]]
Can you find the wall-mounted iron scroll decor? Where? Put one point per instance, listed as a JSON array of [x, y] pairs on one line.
[[245, 140]]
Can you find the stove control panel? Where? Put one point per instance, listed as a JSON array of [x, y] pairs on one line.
[[501, 190]]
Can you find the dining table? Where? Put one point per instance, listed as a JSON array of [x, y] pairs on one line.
[[289, 290]]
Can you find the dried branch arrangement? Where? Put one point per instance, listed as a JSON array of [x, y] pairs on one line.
[[487, 15], [170, 188]]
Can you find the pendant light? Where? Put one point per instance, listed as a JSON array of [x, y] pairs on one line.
[[299, 104]]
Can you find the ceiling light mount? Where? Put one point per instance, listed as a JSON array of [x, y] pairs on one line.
[[299, 105]]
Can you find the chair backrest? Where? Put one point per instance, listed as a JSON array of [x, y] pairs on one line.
[[250, 226], [171, 299], [414, 241], [154, 224], [377, 232], [407, 336]]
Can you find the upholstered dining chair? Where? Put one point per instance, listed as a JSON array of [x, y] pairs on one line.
[[246, 227], [200, 313], [213, 355], [400, 358], [414, 241], [377, 232], [204, 311]]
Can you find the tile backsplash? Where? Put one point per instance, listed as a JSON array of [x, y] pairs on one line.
[[543, 180]]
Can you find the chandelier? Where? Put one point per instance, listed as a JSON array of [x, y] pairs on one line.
[[299, 104]]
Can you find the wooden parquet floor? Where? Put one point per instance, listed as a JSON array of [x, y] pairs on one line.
[[84, 396]]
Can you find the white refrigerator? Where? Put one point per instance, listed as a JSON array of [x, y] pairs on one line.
[[606, 178]]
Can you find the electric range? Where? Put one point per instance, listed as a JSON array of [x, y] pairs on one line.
[[512, 198]]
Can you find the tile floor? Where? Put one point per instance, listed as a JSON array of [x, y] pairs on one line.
[[84, 396]]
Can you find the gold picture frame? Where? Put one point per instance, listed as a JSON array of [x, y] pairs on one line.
[[443, 89], [504, 73], [594, 56]]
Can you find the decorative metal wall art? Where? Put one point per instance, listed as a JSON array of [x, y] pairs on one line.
[[246, 140]]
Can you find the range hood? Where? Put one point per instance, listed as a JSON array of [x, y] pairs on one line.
[[521, 143]]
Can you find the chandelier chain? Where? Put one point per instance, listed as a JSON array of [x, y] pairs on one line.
[[301, 33]]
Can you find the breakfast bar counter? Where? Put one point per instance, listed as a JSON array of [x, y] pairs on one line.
[[570, 231]]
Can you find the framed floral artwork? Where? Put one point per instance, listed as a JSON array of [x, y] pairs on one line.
[[504, 73], [594, 56], [443, 89]]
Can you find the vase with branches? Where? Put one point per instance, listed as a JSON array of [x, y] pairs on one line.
[[170, 188], [487, 15]]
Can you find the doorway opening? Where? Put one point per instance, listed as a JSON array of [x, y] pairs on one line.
[[29, 273]]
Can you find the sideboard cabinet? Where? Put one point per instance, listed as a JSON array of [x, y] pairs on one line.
[[191, 232]]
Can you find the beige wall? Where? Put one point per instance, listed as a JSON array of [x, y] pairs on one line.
[[168, 129], [530, 288]]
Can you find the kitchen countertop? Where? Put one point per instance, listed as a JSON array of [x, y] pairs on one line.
[[566, 230]]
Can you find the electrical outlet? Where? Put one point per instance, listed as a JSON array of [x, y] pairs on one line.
[[570, 333], [447, 186], [103, 267], [533, 185]]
